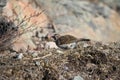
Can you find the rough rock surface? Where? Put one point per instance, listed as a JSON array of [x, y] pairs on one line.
[[114, 4], [18, 9], [81, 18]]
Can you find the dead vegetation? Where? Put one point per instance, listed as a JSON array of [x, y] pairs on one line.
[[8, 31], [96, 61]]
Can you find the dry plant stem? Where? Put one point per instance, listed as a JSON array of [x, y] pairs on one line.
[[6, 39], [25, 19], [17, 14], [24, 31], [50, 54], [27, 29]]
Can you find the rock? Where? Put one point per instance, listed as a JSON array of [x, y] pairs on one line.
[[50, 45], [112, 3], [34, 55], [19, 56], [78, 78], [37, 63], [85, 45], [23, 43], [81, 18], [19, 9], [3, 3]]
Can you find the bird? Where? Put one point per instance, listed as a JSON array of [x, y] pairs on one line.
[[65, 41]]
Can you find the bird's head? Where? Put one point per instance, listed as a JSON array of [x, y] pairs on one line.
[[56, 36], [52, 37]]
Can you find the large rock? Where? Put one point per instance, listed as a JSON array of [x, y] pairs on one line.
[[83, 19], [18, 9]]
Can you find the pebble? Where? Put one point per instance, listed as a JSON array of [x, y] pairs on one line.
[[42, 45], [66, 68], [101, 48], [78, 78], [34, 54], [19, 56], [85, 45], [37, 63]]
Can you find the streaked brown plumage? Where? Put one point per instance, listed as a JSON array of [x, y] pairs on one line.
[[65, 41]]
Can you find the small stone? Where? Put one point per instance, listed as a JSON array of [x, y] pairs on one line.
[[42, 45], [34, 54], [37, 63], [19, 56], [66, 68], [59, 51], [101, 48], [78, 78], [85, 45]]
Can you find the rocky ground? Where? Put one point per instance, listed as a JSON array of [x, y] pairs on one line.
[[88, 61], [30, 57]]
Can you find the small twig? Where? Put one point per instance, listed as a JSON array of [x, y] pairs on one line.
[[42, 57], [25, 19]]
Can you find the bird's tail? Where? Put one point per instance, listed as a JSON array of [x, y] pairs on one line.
[[83, 39]]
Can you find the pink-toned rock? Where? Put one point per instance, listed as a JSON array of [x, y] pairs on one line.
[[19, 9], [81, 18], [23, 43]]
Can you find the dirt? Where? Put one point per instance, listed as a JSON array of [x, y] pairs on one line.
[[90, 60]]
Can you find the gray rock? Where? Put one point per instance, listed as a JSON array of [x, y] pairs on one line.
[[92, 20], [34, 54], [3, 3], [78, 78], [19, 56], [37, 63]]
